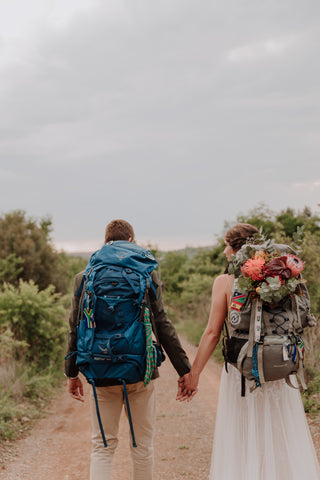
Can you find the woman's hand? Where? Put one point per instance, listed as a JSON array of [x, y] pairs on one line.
[[188, 384]]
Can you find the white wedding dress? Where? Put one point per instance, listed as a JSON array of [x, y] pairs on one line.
[[262, 436]]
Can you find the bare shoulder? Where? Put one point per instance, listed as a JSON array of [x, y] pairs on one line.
[[222, 279], [223, 283]]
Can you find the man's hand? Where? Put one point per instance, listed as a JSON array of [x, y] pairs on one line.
[[187, 387], [75, 388]]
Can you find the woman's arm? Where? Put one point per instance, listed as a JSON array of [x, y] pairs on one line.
[[218, 312]]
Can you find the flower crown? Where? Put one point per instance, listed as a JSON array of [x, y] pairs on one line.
[[266, 270]]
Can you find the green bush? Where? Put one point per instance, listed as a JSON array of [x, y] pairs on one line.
[[195, 285], [25, 386], [173, 271], [33, 323], [36, 318]]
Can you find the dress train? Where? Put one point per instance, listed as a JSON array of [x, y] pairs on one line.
[[262, 436]]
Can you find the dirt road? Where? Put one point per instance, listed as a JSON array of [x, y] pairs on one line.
[[59, 445]]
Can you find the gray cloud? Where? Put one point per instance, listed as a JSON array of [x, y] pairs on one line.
[[175, 115]]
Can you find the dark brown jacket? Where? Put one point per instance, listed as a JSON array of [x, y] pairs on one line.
[[166, 332]]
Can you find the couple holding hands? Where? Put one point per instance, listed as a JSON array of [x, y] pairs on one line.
[[261, 436]]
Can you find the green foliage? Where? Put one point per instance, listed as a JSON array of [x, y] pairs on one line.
[[24, 392], [186, 276], [194, 285], [8, 416], [173, 271], [311, 397], [32, 338], [32, 318], [25, 239], [210, 262], [283, 224], [261, 217], [26, 253], [10, 347], [10, 268], [35, 317], [311, 256], [290, 221], [190, 279], [67, 267]]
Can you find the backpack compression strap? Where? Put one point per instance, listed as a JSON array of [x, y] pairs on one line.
[[128, 411], [98, 412]]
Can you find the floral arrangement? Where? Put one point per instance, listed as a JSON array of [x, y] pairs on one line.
[[264, 271]]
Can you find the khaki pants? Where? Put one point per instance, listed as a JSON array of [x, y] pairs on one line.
[[142, 406]]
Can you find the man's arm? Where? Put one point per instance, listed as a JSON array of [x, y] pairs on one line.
[[75, 387], [167, 334]]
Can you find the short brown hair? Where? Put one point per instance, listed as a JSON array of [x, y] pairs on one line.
[[118, 230], [239, 234]]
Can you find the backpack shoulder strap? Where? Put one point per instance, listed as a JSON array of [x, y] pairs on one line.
[[79, 291], [146, 302], [231, 287]]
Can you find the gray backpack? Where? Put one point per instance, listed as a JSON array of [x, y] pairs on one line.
[[279, 352]]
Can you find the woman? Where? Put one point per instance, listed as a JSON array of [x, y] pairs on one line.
[[264, 435]]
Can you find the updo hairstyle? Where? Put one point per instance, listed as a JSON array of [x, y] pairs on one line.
[[239, 234]]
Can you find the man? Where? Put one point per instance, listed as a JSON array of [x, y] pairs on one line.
[[110, 392]]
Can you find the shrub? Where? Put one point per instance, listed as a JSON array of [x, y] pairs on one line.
[[36, 318]]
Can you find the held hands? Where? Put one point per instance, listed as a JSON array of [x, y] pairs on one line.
[[187, 387], [75, 388]]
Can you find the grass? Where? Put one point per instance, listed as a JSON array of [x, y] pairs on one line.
[[311, 397], [24, 393]]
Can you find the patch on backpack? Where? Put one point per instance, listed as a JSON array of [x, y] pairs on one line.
[[234, 317], [89, 317], [237, 301]]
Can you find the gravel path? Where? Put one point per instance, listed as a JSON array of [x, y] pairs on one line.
[[58, 447]]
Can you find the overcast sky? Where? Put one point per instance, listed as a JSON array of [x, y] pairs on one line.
[[175, 115]]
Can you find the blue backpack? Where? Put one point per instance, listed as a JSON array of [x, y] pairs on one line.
[[111, 335]]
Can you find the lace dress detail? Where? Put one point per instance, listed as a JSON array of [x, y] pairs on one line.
[[262, 436]]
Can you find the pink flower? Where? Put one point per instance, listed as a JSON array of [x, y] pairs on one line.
[[294, 264], [253, 268]]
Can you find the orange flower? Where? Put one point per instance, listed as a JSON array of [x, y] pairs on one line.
[[253, 268]]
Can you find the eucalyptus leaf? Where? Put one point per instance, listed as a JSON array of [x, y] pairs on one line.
[[244, 285]]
